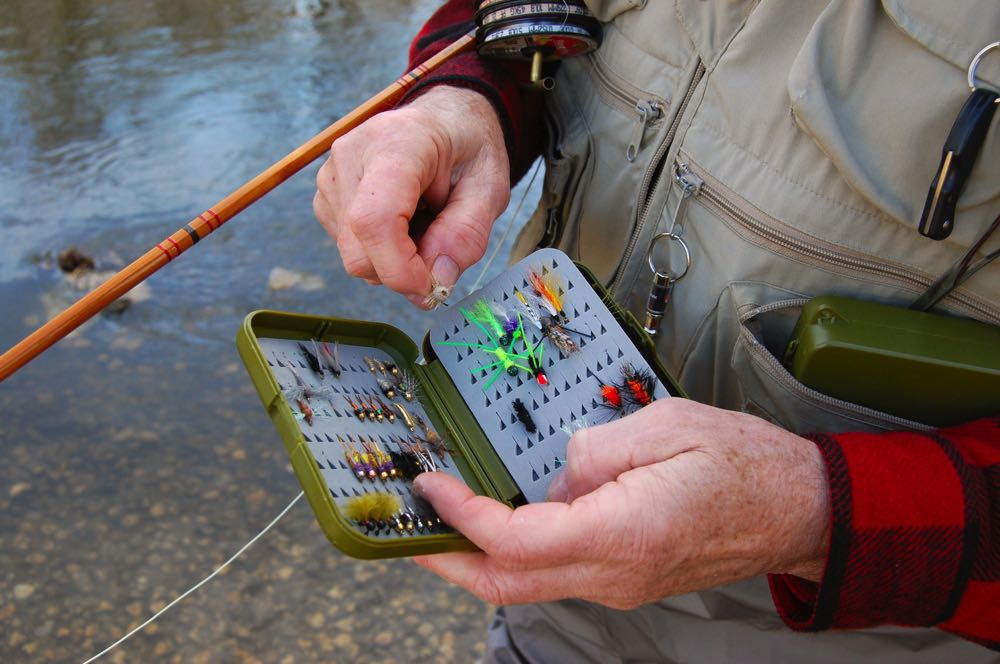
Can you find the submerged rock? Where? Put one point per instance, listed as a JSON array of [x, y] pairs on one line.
[[72, 259], [282, 279]]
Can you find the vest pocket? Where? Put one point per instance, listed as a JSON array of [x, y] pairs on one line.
[[769, 390], [878, 86]]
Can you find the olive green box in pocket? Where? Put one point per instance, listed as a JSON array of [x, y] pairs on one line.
[[924, 367]]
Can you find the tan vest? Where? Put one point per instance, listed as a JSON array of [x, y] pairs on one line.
[[808, 132]]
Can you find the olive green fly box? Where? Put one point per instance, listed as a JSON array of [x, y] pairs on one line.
[[360, 416]]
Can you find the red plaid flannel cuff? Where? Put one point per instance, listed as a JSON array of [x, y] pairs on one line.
[[915, 534]]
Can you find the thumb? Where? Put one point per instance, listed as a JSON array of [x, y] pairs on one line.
[[601, 454], [592, 460]]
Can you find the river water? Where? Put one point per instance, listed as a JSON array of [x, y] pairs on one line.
[[134, 455]]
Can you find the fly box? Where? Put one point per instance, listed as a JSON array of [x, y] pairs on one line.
[[924, 367], [507, 375]]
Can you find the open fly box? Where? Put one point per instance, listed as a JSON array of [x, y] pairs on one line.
[[507, 375]]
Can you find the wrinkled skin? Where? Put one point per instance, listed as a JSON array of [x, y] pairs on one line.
[[444, 152], [675, 498]]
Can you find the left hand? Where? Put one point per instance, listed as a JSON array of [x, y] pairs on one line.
[[675, 498]]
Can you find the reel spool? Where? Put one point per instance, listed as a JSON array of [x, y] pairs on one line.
[[542, 31]]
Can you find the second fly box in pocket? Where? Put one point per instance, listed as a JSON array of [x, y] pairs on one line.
[[508, 374]]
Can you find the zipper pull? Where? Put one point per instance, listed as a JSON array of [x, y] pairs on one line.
[[690, 186], [648, 111]]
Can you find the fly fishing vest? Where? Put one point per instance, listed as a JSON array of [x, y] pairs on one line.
[[790, 145]]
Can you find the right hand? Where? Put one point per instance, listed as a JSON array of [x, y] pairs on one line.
[[445, 151]]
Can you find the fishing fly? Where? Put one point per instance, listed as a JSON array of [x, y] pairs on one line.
[[388, 389], [375, 409], [312, 359], [373, 510], [482, 314], [638, 385], [381, 461], [406, 416], [506, 360], [307, 412], [359, 412], [509, 324], [332, 356], [549, 288], [431, 437], [386, 411], [527, 309], [406, 385], [559, 336], [534, 361], [521, 411], [359, 463]]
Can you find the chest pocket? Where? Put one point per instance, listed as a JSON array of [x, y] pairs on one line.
[[878, 87]]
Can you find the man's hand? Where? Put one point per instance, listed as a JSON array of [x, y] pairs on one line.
[[445, 152], [675, 498]]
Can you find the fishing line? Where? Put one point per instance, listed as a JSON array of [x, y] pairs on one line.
[[200, 583], [506, 232]]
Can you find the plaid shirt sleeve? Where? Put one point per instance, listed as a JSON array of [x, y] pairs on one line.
[[501, 81], [915, 534]]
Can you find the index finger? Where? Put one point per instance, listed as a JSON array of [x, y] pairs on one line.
[[535, 536], [380, 221]]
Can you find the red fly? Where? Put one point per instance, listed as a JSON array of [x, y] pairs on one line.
[[640, 385], [307, 412], [611, 396]]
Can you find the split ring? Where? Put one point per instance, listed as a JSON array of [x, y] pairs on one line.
[[687, 255], [975, 83]]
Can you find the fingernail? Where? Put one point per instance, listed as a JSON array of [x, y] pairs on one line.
[[418, 486], [558, 490], [418, 300], [445, 271]]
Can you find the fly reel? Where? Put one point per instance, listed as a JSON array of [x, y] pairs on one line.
[[541, 31]]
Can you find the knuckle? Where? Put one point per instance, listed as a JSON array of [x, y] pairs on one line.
[[356, 265], [323, 214], [509, 552], [488, 588], [579, 453], [363, 219], [469, 237]]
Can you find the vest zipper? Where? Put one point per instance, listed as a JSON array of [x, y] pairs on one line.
[[629, 100], [648, 110], [797, 245], [647, 188]]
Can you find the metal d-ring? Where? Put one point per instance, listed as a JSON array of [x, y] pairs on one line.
[[974, 83], [676, 238]]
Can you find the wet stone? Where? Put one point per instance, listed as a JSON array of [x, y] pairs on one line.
[[23, 591], [18, 489]]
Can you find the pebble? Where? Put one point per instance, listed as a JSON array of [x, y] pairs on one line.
[[282, 279], [18, 489], [23, 591]]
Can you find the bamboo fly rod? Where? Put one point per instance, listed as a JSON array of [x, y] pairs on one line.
[[209, 220]]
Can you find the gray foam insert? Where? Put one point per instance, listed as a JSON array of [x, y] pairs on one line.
[[572, 397], [334, 420]]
